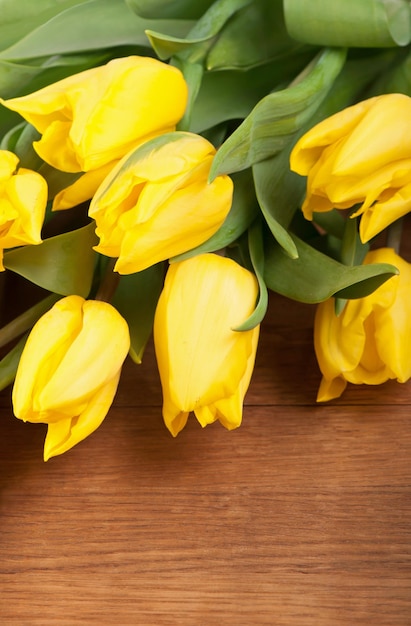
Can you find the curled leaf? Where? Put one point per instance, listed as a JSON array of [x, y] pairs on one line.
[[256, 251], [351, 23], [63, 264], [275, 119], [314, 276]]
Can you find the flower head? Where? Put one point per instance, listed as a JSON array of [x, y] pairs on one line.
[[96, 116], [69, 370], [158, 203], [360, 156], [369, 342], [23, 199], [205, 364]]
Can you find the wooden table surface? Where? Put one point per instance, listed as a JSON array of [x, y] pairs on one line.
[[302, 517]]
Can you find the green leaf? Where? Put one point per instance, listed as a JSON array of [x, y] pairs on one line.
[[232, 94], [353, 250], [256, 34], [23, 148], [9, 139], [63, 264], [193, 74], [8, 121], [256, 251], [351, 23], [19, 18], [243, 211], [199, 38], [13, 76], [332, 222], [92, 25], [366, 284], [165, 46], [164, 9], [395, 78], [274, 120], [9, 363], [279, 192], [17, 78], [314, 277], [136, 299]]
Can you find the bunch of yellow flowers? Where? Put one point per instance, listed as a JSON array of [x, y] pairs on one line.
[[232, 154]]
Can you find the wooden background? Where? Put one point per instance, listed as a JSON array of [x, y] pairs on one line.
[[302, 517]]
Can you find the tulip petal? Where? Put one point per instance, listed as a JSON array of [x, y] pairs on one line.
[[359, 156], [23, 199], [44, 349], [157, 202], [27, 192], [230, 410], [45, 106], [66, 433], [8, 165], [96, 116], [393, 333], [158, 192], [369, 342], [206, 414], [388, 209], [50, 147], [309, 147], [379, 138], [158, 93], [204, 365], [220, 373], [174, 158], [82, 189], [187, 219], [330, 389], [174, 419], [337, 350], [92, 359]]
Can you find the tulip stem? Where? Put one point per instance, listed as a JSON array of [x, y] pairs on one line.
[[394, 233], [109, 283]]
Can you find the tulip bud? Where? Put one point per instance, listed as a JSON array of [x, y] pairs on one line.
[[157, 203], [361, 155], [23, 196], [369, 341], [69, 370], [96, 116], [205, 365]]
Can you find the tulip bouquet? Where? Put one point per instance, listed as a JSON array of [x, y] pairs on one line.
[[164, 165]]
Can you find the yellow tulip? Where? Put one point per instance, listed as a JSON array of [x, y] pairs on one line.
[[205, 365], [69, 370], [369, 342], [96, 116], [23, 199], [360, 156], [157, 202]]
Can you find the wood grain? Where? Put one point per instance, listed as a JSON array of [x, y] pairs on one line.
[[302, 517]]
